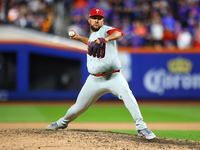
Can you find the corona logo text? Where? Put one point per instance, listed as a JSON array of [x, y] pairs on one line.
[[178, 77]]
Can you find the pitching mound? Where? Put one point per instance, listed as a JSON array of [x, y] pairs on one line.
[[74, 139]]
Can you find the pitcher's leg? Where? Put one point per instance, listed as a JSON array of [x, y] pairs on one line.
[[89, 94], [131, 104], [122, 90]]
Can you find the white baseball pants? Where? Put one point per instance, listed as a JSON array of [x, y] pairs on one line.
[[95, 87]]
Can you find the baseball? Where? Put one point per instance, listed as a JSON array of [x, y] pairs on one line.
[[71, 33]]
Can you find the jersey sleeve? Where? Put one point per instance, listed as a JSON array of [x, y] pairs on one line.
[[112, 30]]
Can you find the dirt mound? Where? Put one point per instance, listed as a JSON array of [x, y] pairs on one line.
[[74, 139]]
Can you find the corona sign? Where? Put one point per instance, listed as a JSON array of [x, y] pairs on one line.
[[177, 76]]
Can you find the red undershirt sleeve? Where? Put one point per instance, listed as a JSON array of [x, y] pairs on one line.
[[112, 30]]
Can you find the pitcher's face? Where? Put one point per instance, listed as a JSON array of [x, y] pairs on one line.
[[96, 22]]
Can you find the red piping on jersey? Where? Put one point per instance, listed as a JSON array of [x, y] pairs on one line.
[[103, 74], [112, 30]]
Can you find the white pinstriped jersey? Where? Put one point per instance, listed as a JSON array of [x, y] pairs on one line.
[[111, 60]]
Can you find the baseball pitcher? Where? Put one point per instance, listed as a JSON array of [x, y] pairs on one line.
[[105, 76]]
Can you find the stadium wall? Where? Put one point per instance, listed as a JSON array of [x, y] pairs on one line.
[[36, 66]]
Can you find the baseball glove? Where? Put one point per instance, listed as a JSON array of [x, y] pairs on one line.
[[97, 49]]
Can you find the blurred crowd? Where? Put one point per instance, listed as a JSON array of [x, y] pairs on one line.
[[169, 23], [36, 14]]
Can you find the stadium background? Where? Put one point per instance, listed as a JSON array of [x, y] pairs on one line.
[[159, 52]]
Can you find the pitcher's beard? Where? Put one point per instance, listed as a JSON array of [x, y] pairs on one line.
[[94, 29]]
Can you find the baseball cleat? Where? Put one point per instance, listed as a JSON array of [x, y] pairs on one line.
[[54, 126], [147, 133]]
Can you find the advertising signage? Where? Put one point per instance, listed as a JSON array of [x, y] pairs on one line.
[[166, 76]]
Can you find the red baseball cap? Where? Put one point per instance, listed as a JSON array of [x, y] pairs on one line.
[[96, 12]]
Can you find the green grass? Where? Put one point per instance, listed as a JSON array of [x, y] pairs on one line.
[[174, 134], [171, 113], [99, 114]]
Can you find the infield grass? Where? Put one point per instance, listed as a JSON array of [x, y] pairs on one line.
[[100, 114], [177, 134]]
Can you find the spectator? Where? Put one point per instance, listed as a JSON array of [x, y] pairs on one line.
[[157, 32], [138, 33], [169, 22], [169, 27], [30, 19], [22, 21], [2, 11], [184, 39], [182, 10], [80, 4], [161, 6], [197, 36], [191, 22], [139, 29], [34, 5], [127, 29], [13, 14], [146, 9], [48, 23]]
